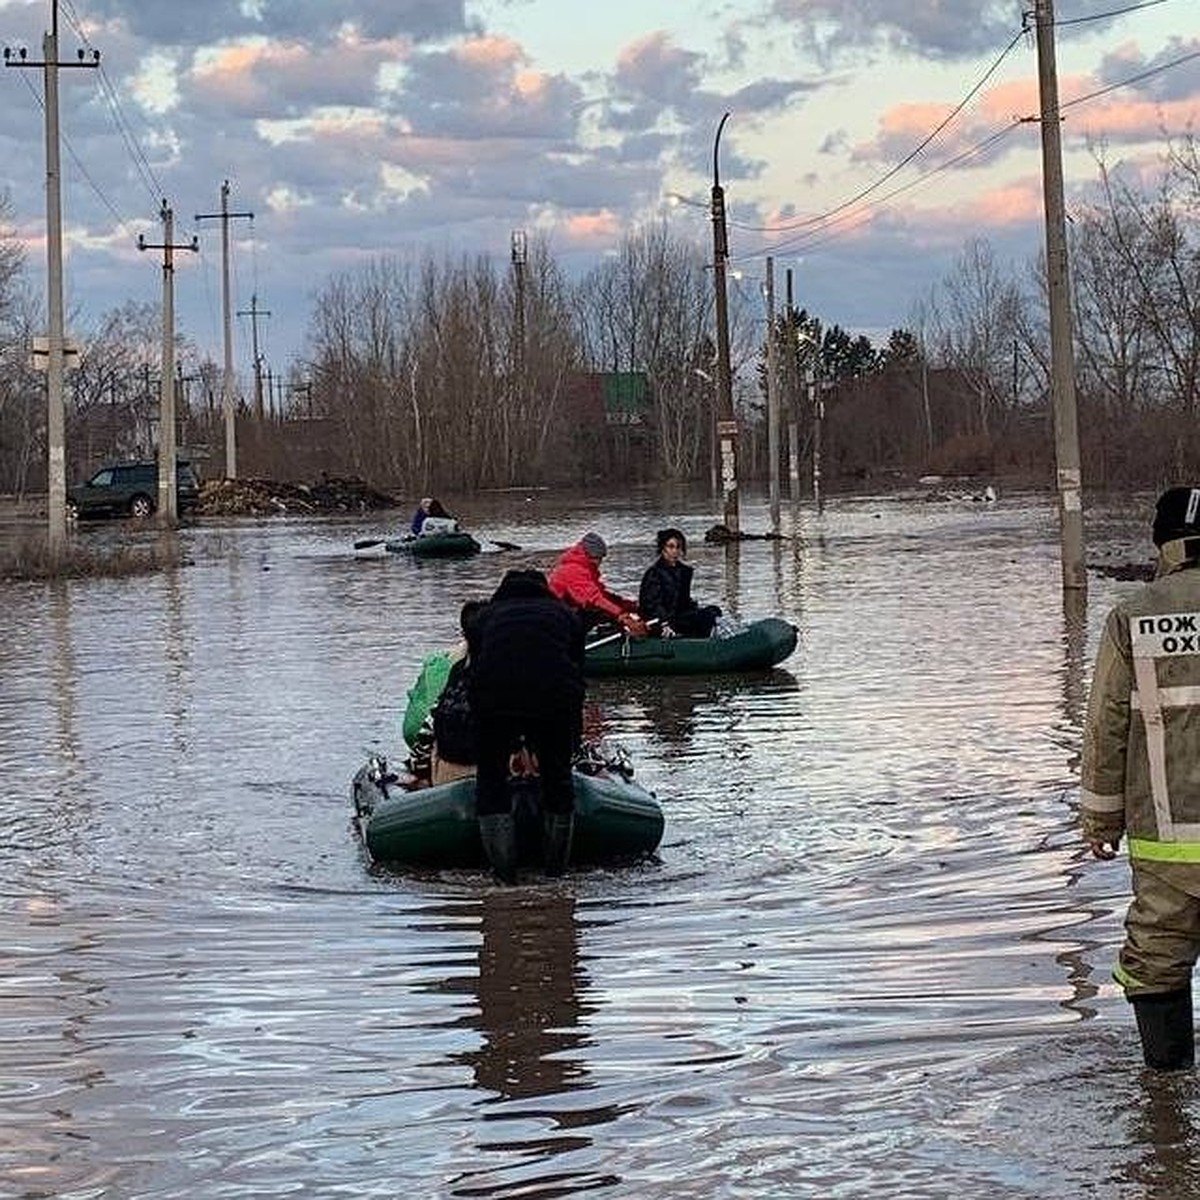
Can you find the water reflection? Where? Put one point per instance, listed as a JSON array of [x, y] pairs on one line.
[[529, 991], [673, 707], [1164, 1127], [63, 686]]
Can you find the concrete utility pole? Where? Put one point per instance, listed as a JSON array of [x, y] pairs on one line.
[[168, 500], [1062, 361], [56, 460], [254, 312], [793, 378], [772, 398], [519, 258], [726, 418], [227, 407]]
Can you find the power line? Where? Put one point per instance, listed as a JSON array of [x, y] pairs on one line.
[[908, 158], [1116, 12], [824, 221]]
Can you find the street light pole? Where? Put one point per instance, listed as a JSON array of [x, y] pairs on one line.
[[726, 420]]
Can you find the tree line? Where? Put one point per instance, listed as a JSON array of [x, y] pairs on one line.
[[457, 374]]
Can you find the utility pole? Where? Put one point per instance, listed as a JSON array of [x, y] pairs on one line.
[[168, 501], [56, 460], [227, 407], [254, 312], [519, 258], [726, 418], [793, 378], [1062, 362], [772, 398]]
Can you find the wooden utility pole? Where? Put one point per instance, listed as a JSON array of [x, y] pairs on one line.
[[1062, 361], [56, 350], [726, 418], [227, 406], [168, 500], [772, 398]]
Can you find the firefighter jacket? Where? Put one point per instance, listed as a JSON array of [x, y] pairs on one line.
[[1141, 747]]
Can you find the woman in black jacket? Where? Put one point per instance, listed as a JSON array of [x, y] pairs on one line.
[[666, 592]]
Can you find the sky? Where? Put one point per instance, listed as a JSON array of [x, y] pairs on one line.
[[867, 141]]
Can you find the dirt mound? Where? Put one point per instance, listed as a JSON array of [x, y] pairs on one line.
[[258, 497]]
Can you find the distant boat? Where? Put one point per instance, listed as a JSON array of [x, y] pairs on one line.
[[440, 537]]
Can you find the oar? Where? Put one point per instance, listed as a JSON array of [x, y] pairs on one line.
[[367, 543], [612, 637]]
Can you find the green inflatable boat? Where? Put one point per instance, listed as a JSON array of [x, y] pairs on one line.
[[455, 543], [762, 644], [616, 820]]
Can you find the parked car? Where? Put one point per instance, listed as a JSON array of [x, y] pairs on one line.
[[130, 488]]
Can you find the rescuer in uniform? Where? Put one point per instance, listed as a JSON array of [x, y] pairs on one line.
[[1141, 779]]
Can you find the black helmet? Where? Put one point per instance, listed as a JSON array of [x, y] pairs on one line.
[[1177, 515]]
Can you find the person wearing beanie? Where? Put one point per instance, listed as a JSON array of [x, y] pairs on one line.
[[1140, 779], [666, 592], [576, 579]]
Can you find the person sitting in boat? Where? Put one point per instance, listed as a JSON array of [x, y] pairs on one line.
[[527, 689], [666, 592], [430, 506], [576, 579], [438, 714]]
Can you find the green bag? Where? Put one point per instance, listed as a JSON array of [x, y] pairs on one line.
[[423, 694]]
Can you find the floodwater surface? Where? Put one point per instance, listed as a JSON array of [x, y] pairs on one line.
[[871, 959]]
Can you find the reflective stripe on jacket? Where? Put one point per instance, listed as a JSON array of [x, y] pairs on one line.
[[1141, 749]]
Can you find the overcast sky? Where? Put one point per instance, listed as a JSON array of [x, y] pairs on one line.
[[358, 128]]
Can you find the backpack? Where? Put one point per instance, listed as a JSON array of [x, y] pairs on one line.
[[453, 720]]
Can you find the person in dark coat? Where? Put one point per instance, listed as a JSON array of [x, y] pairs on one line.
[[527, 689], [666, 592]]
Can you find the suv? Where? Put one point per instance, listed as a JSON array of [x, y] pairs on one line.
[[131, 488]]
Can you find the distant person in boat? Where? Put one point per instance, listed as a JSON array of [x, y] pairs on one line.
[[430, 506], [526, 684], [576, 579], [666, 592], [443, 748], [1141, 762]]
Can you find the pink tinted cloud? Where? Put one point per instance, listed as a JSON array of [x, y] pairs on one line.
[[492, 52], [601, 228]]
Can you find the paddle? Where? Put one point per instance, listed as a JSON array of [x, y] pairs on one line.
[[612, 637]]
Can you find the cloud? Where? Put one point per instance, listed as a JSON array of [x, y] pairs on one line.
[[930, 29], [206, 22], [1179, 83]]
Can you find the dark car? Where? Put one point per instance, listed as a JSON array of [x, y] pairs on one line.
[[130, 488]]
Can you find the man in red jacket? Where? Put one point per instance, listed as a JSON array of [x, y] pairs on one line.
[[576, 579]]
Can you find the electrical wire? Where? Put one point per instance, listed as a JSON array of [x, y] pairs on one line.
[[823, 222], [784, 227], [1107, 16]]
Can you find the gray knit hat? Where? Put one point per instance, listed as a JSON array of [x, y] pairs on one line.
[[594, 545]]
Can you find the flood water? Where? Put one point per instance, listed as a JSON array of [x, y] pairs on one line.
[[871, 961]]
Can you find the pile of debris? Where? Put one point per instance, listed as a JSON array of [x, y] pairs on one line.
[[258, 497]]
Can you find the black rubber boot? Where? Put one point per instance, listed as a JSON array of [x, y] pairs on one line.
[[557, 829], [498, 833], [1164, 1022]]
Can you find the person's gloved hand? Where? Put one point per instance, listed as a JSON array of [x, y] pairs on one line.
[[667, 631], [633, 624]]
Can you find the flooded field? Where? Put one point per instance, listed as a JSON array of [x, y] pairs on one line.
[[871, 961]]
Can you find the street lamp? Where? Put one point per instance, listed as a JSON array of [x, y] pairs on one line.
[[726, 420]]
